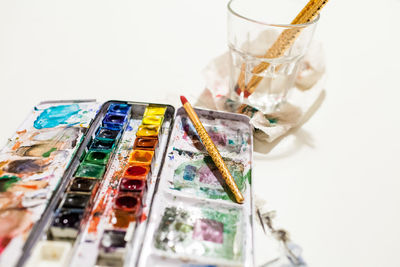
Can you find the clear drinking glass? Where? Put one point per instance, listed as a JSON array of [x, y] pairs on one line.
[[261, 74]]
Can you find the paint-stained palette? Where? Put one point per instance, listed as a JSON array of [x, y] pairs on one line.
[[195, 220], [89, 185], [106, 202], [32, 167], [200, 230]]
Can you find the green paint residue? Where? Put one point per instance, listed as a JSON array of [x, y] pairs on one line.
[[7, 181], [230, 221], [248, 176], [272, 120], [47, 154], [208, 181], [177, 233], [90, 170]]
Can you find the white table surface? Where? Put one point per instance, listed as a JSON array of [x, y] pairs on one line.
[[334, 182]]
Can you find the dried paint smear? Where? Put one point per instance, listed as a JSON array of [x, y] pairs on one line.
[[196, 173], [229, 136], [56, 115], [195, 231], [31, 166], [197, 221]]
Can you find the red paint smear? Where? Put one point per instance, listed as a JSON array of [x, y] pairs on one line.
[[185, 136], [3, 243], [29, 186], [143, 217], [94, 222]]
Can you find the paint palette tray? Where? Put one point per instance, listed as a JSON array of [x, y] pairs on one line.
[[107, 201], [194, 221], [34, 165], [124, 184]]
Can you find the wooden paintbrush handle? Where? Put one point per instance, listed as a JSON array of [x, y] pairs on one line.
[[214, 153]]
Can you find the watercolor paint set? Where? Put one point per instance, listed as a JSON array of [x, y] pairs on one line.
[[124, 184]]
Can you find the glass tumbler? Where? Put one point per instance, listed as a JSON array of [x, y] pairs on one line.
[[265, 50]]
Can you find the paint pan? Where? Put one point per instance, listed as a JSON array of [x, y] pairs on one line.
[[86, 185], [49, 253], [114, 121], [66, 223], [143, 143], [153, 110], [129, 202], [112, 247], [148, 131], [106, 145], [121, 219], [99, 157], [136, 172], [89, 170], [153, 120], [132, 185], [119, 108], [146, 143], [112, 259], [141, 158], [76, 201], [107, 134]]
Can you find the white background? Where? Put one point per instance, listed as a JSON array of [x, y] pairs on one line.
[[334, 182]]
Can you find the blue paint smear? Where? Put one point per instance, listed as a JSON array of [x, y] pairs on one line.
[[54, 116], [189, 172]]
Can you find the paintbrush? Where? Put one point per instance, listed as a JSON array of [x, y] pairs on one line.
[[212, 150], [281, 45]]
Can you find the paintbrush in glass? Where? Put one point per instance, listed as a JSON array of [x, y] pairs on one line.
[[283, 43]]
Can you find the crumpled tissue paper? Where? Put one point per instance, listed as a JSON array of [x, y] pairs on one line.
[[268, 127]]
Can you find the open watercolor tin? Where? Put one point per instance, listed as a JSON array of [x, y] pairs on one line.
[[124, 184]]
